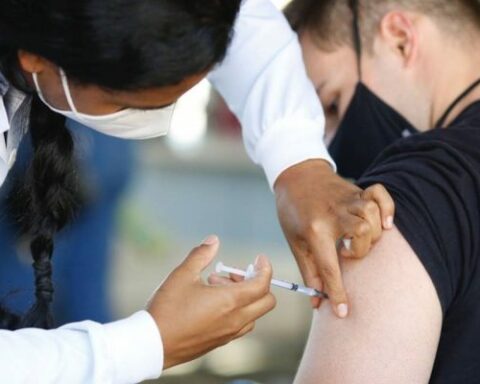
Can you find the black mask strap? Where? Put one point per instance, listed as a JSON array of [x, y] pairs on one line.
[[449, 110], [357, 38]]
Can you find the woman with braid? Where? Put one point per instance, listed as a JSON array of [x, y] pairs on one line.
[[118, 66]]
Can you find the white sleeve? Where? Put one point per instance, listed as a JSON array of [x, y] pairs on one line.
[[264, 81], [126, 351]]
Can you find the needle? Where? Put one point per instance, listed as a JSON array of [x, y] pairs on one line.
[[250, 273]]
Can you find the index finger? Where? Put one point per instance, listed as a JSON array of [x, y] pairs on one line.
[[325, 253], [308, 270]]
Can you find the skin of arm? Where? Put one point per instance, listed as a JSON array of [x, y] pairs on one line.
[[392, 333]]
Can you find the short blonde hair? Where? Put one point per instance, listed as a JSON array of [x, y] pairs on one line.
[[331, 21]]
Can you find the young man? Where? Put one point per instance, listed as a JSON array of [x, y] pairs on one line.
[[403, 67]]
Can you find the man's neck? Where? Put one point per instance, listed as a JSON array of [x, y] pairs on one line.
[[460, 70]]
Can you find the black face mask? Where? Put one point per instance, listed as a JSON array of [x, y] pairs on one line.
[[368, 127]]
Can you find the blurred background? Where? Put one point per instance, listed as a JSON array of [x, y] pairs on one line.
[[147, 204], [200, 181], [196, 182]]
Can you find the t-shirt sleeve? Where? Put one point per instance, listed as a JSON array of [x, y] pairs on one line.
[[436, 190]]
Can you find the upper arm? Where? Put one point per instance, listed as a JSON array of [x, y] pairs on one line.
[[392, 332]]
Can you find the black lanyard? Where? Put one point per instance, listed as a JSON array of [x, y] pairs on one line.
[[455, 102], [357, 44]]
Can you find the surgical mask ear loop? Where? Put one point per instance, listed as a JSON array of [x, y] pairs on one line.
[[37, 87], [66, 90]]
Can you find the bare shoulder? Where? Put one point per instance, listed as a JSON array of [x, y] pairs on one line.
[[392, 333]]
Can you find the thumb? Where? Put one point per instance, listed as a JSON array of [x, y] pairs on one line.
[[202, 256], [379, 194], [251, 290], [263, 267]]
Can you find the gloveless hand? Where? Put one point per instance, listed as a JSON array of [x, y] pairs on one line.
[[317, 209], [194, 317]]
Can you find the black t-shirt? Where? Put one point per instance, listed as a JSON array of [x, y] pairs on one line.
[[434, 179]]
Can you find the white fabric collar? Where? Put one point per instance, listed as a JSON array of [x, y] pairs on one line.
[[4, 126], [4, 122], [11, 101]]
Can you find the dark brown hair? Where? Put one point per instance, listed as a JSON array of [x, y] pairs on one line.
[[115, 44]]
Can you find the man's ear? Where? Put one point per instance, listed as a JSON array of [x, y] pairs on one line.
[[31, 62], [399, 31]]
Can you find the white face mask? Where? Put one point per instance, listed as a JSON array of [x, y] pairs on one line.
[[130, 123]]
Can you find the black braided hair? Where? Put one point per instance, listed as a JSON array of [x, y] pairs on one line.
[[46, 201], [41, 203], [118, 45], [9, 320]]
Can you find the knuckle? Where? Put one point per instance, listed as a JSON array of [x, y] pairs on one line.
[[313, 229], [327, 272], [376, 189], [229, 301], [371, 208], [359, 254], [273, 302], [362, 229]]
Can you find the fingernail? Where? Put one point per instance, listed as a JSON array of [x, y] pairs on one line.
[[389, 222], [260, 262], [347, 243], [342, 310], [210, 240]]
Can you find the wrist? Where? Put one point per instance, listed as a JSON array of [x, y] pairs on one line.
[[321, 167]]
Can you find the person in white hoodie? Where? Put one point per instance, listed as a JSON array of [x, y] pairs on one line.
[[118, 66]]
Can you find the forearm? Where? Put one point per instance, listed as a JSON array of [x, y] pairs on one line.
[[127, 351]]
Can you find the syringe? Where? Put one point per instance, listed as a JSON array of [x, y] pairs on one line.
[[250, 273]]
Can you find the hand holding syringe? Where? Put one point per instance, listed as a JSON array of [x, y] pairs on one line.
[[250, 273]]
